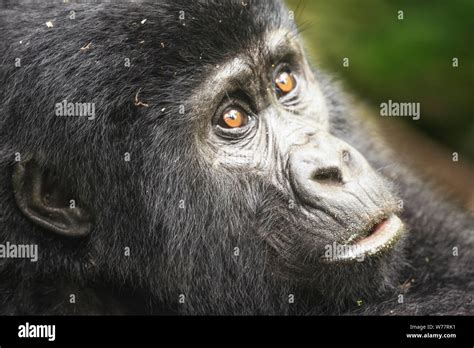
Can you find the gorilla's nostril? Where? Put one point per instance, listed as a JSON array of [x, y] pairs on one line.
[[328, 176]]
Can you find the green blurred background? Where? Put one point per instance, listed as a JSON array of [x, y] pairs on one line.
[[409, 60]]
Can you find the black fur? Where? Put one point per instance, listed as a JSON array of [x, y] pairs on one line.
[[136, 204]]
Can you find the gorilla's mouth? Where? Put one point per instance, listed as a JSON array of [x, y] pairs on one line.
[[381, 237]]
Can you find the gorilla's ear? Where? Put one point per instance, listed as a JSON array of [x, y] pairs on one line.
[[44, 202]]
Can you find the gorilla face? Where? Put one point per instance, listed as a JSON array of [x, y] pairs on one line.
[[265, 119]]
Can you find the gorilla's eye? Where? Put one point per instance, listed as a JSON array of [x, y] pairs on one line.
[[284, 82], [233, 117]]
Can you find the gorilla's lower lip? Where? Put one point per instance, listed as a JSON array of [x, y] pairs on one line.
[[383, 237]]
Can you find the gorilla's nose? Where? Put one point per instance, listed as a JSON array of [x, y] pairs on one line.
[[328, 175], [323, 163]]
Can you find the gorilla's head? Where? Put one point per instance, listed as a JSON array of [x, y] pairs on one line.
[[219, 158]]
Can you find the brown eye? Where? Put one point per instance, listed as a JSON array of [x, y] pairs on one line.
[[285, 82], [233, 117]]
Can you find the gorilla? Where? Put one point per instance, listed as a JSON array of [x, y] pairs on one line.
[[184, 157]]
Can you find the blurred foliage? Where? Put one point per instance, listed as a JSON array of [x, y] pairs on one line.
[[407, 60]]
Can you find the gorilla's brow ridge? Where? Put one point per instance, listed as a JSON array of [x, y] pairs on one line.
[[242, 67]]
